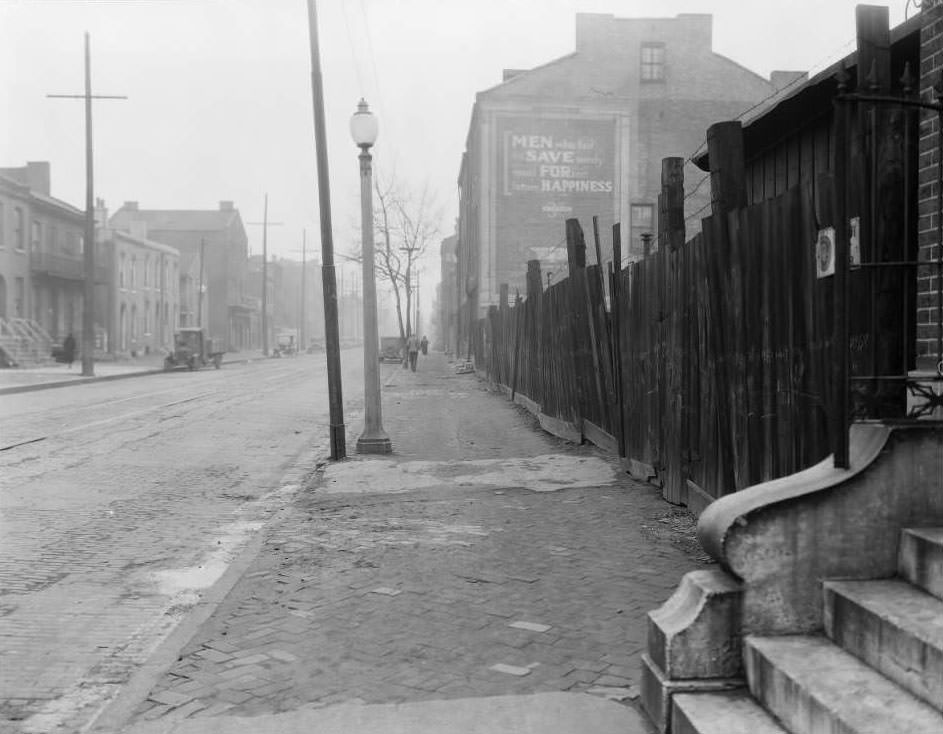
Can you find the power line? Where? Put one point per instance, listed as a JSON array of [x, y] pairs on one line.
[[350, 44]]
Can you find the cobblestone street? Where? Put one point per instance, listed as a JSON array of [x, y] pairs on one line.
[[114, 525], [459, 568]]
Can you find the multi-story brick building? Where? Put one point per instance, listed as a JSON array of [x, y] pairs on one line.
[[141, 308], [42, 272], [584, 135], [211, 241]]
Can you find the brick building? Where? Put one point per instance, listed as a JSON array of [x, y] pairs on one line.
[[584, 135], [930, 203], [141, 307], [218, 239], [42, 272]]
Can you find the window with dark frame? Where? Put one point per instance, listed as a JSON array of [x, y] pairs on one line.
[[653, 62], [643, 222]]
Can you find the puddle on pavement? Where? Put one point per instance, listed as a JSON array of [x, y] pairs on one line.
[[183, 581]]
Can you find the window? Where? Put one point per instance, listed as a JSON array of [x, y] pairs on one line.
[[19, 295], [643, 222], [18, 234], [134, 265], [121, 272], [653, 62], [3, 229], [52, 238], [147, 268], [35, 239]]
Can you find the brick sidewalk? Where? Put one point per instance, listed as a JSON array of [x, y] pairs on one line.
[[458, 568]]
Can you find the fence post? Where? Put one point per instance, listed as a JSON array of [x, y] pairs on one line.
[[615, 289], [671, 231], [576, 260], [575, 246], [728, 175], [534, 284]]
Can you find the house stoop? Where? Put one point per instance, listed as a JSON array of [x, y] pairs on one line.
[[827, 615]]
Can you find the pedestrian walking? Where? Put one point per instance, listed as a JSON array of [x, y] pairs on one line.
[[412, 350], [68, 350], [424, 346]]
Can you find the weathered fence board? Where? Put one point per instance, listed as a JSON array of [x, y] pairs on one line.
[[715, 359]]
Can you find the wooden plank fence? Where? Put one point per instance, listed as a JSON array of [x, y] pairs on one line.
[[719, 370]]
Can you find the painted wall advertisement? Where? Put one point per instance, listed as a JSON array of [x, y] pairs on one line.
[[550, 169]]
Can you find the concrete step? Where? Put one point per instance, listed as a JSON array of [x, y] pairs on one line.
[[814, 687], [920, 559], [731, 712], [894, 627]]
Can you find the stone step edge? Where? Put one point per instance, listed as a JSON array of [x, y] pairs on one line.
[[729, 712], [879, 626], [920, 558], [849, 709]]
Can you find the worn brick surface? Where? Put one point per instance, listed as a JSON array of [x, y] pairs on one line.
[[467, 563]]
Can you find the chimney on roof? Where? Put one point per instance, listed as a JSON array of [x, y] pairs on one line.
[[225, 206], [131, 206], [38, 177], [696, 30], [594, 31], [101, 213]]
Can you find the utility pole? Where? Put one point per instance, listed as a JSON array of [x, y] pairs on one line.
[[199, 299], [303, 301], [301, 318], [332, 341], [417, 303], [265, 223], [88, 310]]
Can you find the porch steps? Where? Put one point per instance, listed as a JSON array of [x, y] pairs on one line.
[[878, 669], [730, 712], [814, 687], [892, 626], [920, 560]]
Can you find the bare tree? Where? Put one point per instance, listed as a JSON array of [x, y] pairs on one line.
[[405, 223]]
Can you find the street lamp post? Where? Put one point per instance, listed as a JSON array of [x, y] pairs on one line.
[[363, 129]]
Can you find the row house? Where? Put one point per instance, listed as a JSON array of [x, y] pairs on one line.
[[211, 242], [143, 306], [42, 272]]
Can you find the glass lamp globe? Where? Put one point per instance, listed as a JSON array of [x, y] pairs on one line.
[[363, 126]]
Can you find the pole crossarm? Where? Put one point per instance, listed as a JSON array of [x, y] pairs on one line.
[[88, 259]]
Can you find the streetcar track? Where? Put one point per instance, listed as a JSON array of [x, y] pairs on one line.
[[289, 372]]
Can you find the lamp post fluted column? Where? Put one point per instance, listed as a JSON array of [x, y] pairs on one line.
[[374, 439]]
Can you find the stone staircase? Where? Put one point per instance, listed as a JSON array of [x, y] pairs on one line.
[[877, 669], [24, 343]]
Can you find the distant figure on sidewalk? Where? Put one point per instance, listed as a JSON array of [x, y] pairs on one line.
[[412, 349], [68, 350], [424, 345]]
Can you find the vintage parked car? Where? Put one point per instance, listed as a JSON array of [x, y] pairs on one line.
[[391, 349], [193, 349]]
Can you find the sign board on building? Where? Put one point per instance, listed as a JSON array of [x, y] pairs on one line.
[[550, 169]]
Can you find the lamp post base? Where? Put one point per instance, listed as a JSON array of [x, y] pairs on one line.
[[375, 444]]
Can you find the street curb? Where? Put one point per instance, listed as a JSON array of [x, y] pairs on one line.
[[117, 714], [96, 378]]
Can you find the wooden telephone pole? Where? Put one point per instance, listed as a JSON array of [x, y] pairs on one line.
[[331, 337], [88, 310], [265, 223]]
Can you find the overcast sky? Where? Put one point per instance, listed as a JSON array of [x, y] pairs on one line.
[[219, 93]]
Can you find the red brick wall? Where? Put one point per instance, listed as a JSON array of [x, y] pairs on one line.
[[931, 68]]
